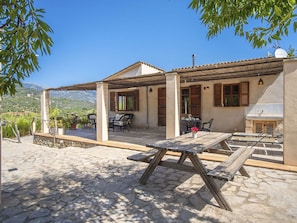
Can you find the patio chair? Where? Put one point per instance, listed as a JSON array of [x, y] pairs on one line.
[[92, 119], [183, 126], [205, 126], [129, 119], [120, 121]]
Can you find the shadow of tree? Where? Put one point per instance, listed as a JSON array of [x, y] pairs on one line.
[[105, 193]]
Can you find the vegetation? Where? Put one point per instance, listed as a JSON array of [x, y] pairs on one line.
[[23, 36], [21, 120], [276, 18], [24, 106]]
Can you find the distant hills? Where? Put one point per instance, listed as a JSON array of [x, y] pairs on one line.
[[27, 98]]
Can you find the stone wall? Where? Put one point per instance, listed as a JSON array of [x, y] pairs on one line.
[[60, 141]]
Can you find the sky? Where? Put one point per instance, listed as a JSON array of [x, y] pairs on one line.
[[94, 39]]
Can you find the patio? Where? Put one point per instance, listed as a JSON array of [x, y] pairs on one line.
[[134, 135], [99, 184], [136, 139], [137, 136]]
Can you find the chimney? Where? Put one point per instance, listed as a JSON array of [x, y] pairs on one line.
[[193, 59]]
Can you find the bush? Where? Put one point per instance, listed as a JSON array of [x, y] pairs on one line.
[[23, 121]]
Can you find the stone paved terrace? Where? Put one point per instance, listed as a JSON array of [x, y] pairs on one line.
[[41, 184]]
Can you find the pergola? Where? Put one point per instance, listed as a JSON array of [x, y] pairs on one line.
[[228, 70]]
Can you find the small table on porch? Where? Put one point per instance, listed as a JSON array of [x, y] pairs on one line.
[[189, 147]]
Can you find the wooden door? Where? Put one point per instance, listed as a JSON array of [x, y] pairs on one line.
[[195, 101], [266, 127], [161, 106]]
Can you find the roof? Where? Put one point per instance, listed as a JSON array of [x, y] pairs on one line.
[[235, 69], [224, 70], [131, 67]]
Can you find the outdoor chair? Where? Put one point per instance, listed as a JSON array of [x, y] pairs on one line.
[[120, 121], [205, 126], [129, 119], [183, 126], [92, 119]]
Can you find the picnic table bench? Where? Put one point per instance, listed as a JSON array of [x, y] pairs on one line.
[[257, 138], [189, 147]]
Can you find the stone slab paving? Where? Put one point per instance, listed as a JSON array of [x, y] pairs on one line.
[[99, 184]]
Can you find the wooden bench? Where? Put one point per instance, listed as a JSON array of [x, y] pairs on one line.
[[227, 169], [144, 156], [256, 138]]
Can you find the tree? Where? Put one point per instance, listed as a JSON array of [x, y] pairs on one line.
[[291, 52], [277, 17], [23, 36]]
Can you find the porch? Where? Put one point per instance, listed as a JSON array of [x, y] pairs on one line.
[[136, 139]]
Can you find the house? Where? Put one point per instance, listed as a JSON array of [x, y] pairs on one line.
[[228, 92], [246, 96]]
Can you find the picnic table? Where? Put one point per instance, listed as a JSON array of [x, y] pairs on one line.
[[190, 147]]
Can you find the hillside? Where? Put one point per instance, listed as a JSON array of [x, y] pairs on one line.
[[27, 98]]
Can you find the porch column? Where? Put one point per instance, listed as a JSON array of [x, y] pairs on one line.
[[102, 112], [290, 112], [172, 105], [44, 111]]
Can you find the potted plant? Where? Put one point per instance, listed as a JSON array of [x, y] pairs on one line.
[[72, 121], [194, 131], [56, 123]]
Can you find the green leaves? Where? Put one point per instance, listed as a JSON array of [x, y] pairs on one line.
[[275, 15], [23, 35]]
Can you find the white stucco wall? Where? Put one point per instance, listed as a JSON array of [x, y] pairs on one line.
[[141, 119], [232, 119], [227, 119], [132, 73], [290, 121], [145, 69], [141, 70]]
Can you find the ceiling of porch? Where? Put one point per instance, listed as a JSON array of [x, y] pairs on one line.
[[226, 70]]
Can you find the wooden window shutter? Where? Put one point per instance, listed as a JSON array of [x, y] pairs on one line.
[[136, 100], [112, 101], [195, 100], [244, 93], [217, 95]]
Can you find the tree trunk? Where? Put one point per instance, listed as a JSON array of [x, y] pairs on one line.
[[0, 147]]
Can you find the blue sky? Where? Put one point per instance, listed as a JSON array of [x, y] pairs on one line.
[[96, 38]]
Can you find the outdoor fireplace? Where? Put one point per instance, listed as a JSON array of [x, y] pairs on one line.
[[264, 118]]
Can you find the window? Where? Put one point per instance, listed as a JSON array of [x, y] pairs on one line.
[[185, 93], [191, 100], [231, 95], [124, 101]]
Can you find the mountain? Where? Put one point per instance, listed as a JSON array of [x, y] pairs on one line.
[[89, 96], [27, 98]]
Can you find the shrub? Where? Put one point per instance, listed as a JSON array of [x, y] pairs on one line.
[[23, 121]]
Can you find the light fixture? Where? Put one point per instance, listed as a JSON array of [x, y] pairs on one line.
[[260, 82], [151, 90]]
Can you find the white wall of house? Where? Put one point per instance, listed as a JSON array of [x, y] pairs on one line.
[[232, 119], [140, 70], [290, 101], [228, 119], [147, 116]]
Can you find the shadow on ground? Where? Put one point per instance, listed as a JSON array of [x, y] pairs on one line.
[[108, 193]]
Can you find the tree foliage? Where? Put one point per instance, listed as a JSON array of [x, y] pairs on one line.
[[276, 17], [23, 36]]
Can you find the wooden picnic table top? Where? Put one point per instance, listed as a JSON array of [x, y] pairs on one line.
[[186, 143]]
